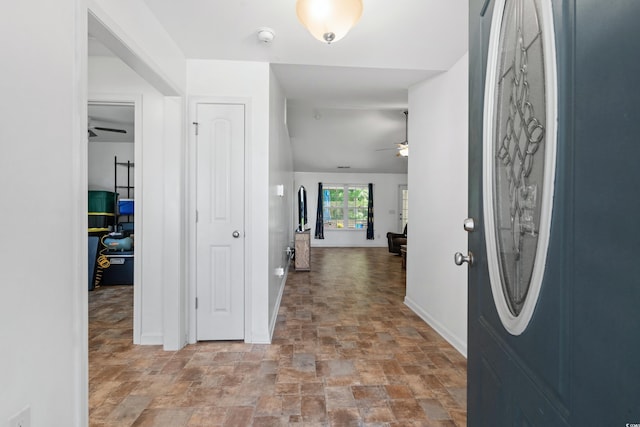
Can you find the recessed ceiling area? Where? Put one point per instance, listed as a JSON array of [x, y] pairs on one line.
[[366, 140]]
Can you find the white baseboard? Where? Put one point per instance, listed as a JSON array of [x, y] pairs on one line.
[[274, 317], [151, 339], [457, 343], [316, 244], [259, 339]]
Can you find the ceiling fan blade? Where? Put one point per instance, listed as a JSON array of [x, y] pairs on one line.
[[109, 129], [400, 147]]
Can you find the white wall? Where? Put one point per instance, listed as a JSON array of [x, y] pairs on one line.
[[150, 51], [110, 76], [280, 213], [43, 360], [100, 166], [385, 206], [234, 81], [436, 287]]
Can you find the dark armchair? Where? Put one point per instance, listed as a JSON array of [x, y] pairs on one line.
[[397, 239]]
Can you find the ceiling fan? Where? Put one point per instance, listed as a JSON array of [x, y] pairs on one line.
[[103, 129], [402, 147]]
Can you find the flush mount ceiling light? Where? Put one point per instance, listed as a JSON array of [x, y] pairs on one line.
[[266, 35], [329, 20]]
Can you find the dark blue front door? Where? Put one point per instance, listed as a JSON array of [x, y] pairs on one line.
[[577, 361]]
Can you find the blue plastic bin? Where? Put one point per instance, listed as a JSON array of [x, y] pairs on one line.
[[125, 206]]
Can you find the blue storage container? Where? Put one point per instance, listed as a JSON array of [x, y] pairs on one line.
[[102, 202], [120, 272], [125, 206]]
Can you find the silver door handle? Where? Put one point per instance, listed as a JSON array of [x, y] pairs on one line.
[[460, 259], [236, 234]]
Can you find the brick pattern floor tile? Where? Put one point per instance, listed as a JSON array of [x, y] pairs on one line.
[[346, 351]]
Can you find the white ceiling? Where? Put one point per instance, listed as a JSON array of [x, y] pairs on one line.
[[345, 100]]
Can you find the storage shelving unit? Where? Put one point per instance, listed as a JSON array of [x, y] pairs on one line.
[[120, 270], [129, 188]]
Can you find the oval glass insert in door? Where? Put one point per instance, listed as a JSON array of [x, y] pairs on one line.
[[520, 117]]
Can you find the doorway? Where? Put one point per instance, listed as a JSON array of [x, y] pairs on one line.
[[112, 155], [159, 302], [403, 206], [117, 69]]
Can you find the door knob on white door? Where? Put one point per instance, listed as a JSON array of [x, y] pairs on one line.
[[460, 259], [236, 234]]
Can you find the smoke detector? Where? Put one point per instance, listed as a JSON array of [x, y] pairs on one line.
[[266, 35]]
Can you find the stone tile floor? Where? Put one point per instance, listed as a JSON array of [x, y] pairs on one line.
[[346, 351]]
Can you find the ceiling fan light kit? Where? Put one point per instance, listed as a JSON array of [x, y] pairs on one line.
[[402, 147], [329, 20]]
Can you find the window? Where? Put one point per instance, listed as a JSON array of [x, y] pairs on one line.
[[345, 206]]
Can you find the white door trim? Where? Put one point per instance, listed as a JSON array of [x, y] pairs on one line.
[[190, 216]]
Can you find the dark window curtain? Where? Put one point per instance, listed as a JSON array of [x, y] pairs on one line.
[[319, 215], [370, 214]]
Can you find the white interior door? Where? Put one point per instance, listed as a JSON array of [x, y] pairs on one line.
[[220, 222]]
